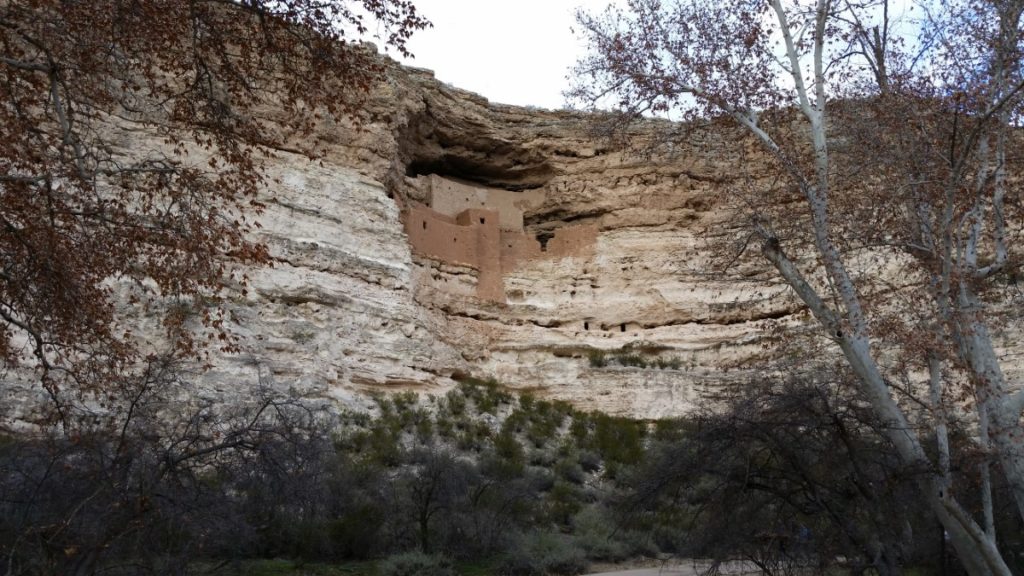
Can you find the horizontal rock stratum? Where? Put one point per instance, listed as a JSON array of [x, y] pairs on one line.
[[388, 274], [447, 236]]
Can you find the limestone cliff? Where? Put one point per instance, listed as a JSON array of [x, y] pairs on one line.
[[449, 236], [445, 236]]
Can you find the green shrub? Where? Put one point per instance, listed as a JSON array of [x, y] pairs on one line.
[[544, 553], [526, 401], [543, 458], [569, 470], [455, 402], [378, 444], [445, 427], [516, 421], [595, 532], [563, 407], [634, 360], [424, 429], [597, 358], [544, 419], [416, 564], [580, 427], [668, 363], [486, 394], [509, 456], [404, 401], [618, 439], [564, 501], [471, 437], [590, 461]]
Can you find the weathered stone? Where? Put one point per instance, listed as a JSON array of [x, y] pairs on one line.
[[360, 300], [450, 236]]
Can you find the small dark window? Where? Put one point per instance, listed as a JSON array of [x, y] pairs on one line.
[[456, 240], [586, 325], [622, 328], [424, 224], [483, 221], [543, 238]]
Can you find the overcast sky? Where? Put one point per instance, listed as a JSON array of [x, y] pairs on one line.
[[512, 52]]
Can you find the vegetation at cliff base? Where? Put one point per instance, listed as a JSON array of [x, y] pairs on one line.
[[477, 481]]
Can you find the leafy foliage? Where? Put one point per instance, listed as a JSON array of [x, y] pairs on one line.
[[893, 150], [84, 215]]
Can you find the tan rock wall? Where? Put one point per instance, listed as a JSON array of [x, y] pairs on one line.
[[572, 241], [348, 309]]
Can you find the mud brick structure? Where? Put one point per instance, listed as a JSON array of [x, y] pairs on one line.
[[482, 228]]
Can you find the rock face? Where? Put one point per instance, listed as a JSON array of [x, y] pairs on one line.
[[449, 236]]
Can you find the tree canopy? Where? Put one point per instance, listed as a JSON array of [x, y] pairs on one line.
[[83, 206], [891, 210]]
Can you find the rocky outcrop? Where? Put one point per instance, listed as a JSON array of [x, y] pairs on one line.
[[579, 251], [599, 249]]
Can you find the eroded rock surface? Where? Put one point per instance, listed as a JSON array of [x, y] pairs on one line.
[[599, 251], [582, 252]]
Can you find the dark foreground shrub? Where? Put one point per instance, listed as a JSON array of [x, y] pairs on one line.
[[416, 564], [544, 553]]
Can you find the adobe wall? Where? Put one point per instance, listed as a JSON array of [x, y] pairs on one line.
[[519, 248], [451, 198], [490, 281], [483, 228], [440, 237]]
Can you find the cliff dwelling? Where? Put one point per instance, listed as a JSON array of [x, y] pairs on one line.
[[482, 228]]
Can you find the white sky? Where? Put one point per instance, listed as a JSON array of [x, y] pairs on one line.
[[512, 52]]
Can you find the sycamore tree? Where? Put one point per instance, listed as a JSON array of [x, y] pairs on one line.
[[892, 210], [85, 206]]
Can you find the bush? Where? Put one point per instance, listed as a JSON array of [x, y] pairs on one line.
[[356, 534], [669, 363], [509, 459], [455, 403], [596, 533], [597, 359], [634, 360], [544, 553], [486, 394], [416, 564]]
